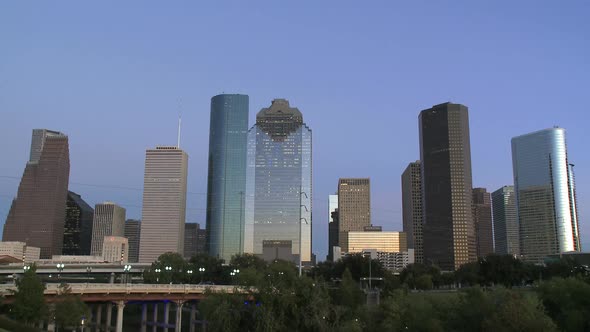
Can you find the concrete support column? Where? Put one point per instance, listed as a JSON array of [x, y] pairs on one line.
[[107, 324], [98, 317], [120, 307], [193, 317], [143, 317], [51, 326], [155, 326], [166, 316], [178, 321], [51, 322]]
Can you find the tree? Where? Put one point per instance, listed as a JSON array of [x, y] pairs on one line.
[[29, 303], [69, 309], [349, 295], [214, 271], [244, 261], [176, 273], [567, 302]]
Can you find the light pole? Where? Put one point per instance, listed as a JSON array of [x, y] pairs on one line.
[[234, 273], [190, 274], [60, 268], [158, 275], [169, 270], [88, 270], [127, 268], [201, 271], [26, 268]]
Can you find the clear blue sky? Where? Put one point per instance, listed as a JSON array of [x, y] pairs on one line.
[[115, 75]]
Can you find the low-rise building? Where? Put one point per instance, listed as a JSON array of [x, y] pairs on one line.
[[20, 251]]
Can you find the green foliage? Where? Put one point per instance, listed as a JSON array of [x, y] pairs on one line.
[[349, 295], [244, 261], [69, 309], [177, 273], [214, 270], [29, 304], [357, 264], [567, 302], [10, 325]]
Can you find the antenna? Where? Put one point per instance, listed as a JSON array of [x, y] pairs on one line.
[[179, 122]]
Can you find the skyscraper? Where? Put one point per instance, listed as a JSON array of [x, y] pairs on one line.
[[78, 226], [279, 189], [545, 194], [108, 220], [133, 234], [193, 240], [332, 225], [354, 205], [164, 203], [448, 231], [482, 217], [37, 214], [412, 208], [226, 181], [506, 236]]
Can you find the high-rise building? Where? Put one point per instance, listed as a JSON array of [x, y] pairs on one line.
[[545, 194], [448, 231], [133, 234], [412, 208], [37, 214], [279, 184], [482, 217], [506, 236], [194, 240], [332, 225], [226, 181], [108, 220], [354, 206], [164, 203], [77, 226]]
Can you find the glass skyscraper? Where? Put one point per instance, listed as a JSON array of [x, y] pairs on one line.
[[279, 186], [545, 194], [226, 182], [506, 237]]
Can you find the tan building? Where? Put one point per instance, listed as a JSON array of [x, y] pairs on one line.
[[353, 242], [354, 206], [115, 249], [109, 220], [20, 251], [38, 212], [164, 203]]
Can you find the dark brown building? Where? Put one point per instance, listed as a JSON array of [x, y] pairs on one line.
[[482, 217], [195, 239], [38, 212], [445, 152], [354, 206], [412, 208]]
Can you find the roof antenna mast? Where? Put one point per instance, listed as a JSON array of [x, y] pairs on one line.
[[179, 123]]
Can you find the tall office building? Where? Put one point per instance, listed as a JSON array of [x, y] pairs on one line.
[[108, 220], [448, 231], [412, 208], [226, 180], [164, 203], [133, 233], [482, 217], [37, 214], [77, 226], [545, 194], [354, 205], [279, 184], [506, 236], [332, 225]]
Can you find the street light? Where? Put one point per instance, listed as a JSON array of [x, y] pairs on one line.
[[201, 271], [127, 268], [26, 268], [158, 276], [169, 269], [88, 270], [60, 268], [234, 273], [190, 274]]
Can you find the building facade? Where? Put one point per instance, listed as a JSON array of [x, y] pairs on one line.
[[38, 212], [448, 230], [353, 242], [115, 249], [108, 220], [164, 203], [482, 217], [332, 225], [545, 195], [226, 180], [412, 208], [133, 234], [354, 206], [20, 250], [506, 233], [77, 226], [194, 240], [279, 180]]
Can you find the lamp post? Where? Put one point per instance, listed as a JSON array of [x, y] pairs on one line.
[[60, 268], [127, 268], [88, 270], [190, 274], [169, 269], [234, 273], [201, 271], [158, 275], [26, 268]]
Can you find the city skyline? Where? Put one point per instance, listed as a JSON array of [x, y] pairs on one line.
[[139, 80]]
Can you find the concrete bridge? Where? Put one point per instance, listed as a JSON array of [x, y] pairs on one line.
[[100, 295]]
